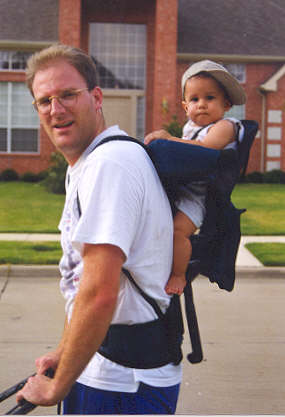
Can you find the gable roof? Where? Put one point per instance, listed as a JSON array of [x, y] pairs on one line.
[[272, 83], [29, 20], [234, 27]]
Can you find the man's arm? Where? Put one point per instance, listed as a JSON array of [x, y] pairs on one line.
[[93, 310]]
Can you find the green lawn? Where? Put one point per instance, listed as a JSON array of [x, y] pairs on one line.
[[28, 207], [30, 253], [265, 205], [269, 254]]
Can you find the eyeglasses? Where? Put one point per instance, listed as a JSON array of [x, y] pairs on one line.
[[66, 98]]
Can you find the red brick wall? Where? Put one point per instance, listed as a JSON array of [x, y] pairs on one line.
[[70, 22], [276, 101]]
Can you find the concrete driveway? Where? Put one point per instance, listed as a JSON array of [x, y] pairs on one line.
[[242, 332]]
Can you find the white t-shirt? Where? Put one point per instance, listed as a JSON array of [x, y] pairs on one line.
[[123, 204]]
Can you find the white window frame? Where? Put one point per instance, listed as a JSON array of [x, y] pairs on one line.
[[7, 56], [9, 126]]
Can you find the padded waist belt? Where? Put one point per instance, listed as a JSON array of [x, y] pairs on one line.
[[141, 346], [147, 345]]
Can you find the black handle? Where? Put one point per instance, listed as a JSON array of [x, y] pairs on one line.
[[196, 355], [23, 407]]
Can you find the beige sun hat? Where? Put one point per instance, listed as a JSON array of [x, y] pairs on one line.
[[221, 74]]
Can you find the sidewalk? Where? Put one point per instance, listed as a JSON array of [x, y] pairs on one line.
[[244, 257]]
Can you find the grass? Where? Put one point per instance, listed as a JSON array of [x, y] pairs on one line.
[[29, 208], [30, 253], [269, 254], [265, 208]]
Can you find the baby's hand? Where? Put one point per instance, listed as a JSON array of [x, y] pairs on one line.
[[157, 134]]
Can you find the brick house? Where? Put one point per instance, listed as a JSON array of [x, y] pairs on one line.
[[141, 49]]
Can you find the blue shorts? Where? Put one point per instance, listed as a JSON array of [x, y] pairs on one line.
[[147, 400]]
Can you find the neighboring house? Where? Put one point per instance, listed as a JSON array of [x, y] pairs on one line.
[[141, 49]]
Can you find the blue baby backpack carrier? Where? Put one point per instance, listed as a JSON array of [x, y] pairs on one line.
[[214, 248]]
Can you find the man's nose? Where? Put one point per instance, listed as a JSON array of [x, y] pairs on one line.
[[56, 106]]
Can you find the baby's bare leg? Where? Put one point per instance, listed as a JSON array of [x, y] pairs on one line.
[[182, 250]]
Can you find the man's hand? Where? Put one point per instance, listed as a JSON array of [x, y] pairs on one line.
[[47, 361], [40, 390]]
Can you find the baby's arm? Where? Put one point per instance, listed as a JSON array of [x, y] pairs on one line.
[[159, 134], [218, 136]]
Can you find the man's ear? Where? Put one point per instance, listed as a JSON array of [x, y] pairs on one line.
[[98, 97]]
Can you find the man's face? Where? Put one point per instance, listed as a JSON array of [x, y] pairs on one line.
[[70, 128]]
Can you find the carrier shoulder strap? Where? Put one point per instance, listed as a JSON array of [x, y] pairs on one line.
[[149, 299], [250, 130]]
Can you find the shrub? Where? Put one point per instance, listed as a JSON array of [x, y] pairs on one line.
[[174, 127], [55, 178], [276, 176], [254, 177], [9, 175], [30, 177]]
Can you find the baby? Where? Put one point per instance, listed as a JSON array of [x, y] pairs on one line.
[[208, 91]]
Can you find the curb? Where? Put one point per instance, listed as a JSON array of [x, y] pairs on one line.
[[52, 271], [29, 271], [260, 272]]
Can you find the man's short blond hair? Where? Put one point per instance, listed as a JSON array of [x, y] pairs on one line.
[[56, 52]]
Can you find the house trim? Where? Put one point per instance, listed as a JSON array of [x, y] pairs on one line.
[[271, 84], [24, 45], [230, 58]]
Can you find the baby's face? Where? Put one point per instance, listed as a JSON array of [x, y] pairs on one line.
[[205, 101]]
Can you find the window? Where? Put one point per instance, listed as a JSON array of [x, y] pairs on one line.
[[18, 120], [119, 51], [13, 60], [236, 111], [238, 71]]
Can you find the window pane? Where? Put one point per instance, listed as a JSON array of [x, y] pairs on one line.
[[140, 117], [3, 140], [4, 60], [24, 140], [236, 111], [3, 104], [13, 60], [238, 71], [19, 60], [23, 114], [119, 51]]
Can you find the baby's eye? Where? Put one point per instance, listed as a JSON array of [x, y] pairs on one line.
[[210, 98], [194, 99]]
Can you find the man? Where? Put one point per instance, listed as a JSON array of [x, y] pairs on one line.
[[116, 215]]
